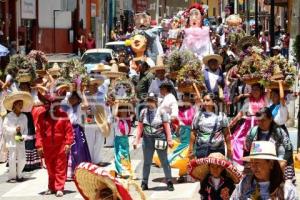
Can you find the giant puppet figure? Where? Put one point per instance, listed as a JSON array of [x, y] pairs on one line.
[[196, 36], [142, 25]]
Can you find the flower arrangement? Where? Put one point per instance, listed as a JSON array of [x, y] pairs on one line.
[[20, 64], [177, 59], [253, 62], [74, 71], [39, 57], [189, 74], [278, 69]]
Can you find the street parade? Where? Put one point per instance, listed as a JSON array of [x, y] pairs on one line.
[[201, 106]]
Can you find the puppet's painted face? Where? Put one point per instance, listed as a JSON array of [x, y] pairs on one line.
[[175, 23], [142, 20], [138, 43], [195, 18]]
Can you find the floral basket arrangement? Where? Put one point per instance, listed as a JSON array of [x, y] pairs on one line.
[[177, 60], [75, 72], [40, 59], [20, 64], [122, 90], [191, 76], [234, 20], [278, 68], [250, 69]]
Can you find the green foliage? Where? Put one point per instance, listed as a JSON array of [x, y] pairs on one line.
[[296, 48]]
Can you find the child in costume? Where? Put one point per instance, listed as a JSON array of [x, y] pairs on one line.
[[217, 176]]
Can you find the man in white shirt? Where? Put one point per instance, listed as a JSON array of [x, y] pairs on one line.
[[159, 79]]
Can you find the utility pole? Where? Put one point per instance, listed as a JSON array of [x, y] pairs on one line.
[[272, 24], [256, 19], [157, 10]]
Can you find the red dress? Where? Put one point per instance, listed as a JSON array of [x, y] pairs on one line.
[[53, 132]]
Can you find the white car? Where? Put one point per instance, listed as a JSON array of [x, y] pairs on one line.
[[93, 57], [116, 46]]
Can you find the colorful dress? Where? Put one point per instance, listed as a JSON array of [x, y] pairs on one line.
[[179, 157], [122, 129], [250, 108], [79, 149]]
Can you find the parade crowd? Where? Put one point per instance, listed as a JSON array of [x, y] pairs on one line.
[[210, 101]]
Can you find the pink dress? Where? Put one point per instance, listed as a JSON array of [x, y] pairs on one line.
[[198, 41], [250, 108]]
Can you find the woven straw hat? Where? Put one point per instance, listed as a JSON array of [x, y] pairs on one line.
[[26, 97], [262, 150], [217, 57], [159, 65], [101, 120], [24, 78], [55, 70], [100, 68], [90, 178], [114, 72], [199, 168]]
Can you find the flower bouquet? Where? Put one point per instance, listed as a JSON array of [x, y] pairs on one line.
[[278, 68], [190, 77], [40, 59], [177, 60], [250, 68]]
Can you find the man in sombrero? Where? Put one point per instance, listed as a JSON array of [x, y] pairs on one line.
[[54, 137]]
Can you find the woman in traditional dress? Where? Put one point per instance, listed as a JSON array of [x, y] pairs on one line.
[[79, 150], [252, 105], [122, 128], [33, 160], [179, 157]]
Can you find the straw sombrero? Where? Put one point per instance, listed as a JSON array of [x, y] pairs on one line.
[[199, 168], [159, 65], [114, 72], [213, 57], [26, 97], [100, 68], [101, 120], [55, 70], [262, 150], [96, 81], [24, 78], [247, 40], [89, 178], [233, 20]]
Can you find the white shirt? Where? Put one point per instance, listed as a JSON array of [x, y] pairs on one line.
[[213, 78], [169, 105], [10, 123], [76, 115], [132, 72]]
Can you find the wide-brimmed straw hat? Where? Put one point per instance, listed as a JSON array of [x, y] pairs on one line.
[[24, 78], [26, 97], [247, 40], [151, 97], [199, 168], [98, 81], [114, 72], [101, 120], [100, 68], [262, 150], [90, 178], [217, 57], [159, 65], [55, 70]]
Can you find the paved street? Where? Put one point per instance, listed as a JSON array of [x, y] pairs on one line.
[[36, 182]]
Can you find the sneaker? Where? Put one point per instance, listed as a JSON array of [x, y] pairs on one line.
[[59, 193], [144, 186], [20, 179], [170, 186], [11, 181]]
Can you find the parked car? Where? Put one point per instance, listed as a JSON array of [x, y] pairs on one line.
[[116, 46], [60, 58], [94, 57]]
